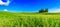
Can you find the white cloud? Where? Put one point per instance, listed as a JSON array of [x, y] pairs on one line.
[[55, 10], [4, 3], [5, 10]]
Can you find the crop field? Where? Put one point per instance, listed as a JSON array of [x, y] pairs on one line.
[[8, 19]]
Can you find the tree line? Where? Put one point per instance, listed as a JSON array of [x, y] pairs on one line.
[[43, 10]]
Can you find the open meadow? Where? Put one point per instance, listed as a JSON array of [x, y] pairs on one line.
[[10, 19]]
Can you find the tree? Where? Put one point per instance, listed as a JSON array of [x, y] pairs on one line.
[[46, 9], [41, 10]]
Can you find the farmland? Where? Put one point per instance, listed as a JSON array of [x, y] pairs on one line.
[[10, 19]]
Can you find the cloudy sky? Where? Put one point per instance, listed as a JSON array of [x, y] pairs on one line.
[[30, 5]]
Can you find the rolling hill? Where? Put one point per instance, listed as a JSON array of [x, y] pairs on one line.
[[17, 19]]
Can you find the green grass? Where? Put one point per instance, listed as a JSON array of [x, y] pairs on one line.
[[8, 19]]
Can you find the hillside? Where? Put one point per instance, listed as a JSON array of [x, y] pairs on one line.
[[11, 19]]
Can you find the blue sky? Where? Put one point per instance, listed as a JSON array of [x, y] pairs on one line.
[[31, 5]]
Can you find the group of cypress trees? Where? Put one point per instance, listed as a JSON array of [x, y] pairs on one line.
[[43, 10]]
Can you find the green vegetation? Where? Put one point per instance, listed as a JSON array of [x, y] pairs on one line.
[[8, 19], [43, 10]]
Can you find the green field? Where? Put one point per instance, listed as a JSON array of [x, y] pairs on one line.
[[10, 19]]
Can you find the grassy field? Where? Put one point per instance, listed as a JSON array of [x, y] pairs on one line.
[[10, 19]]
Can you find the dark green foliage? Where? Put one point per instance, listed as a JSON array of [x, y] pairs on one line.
[[46, 9], [42, 10]]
